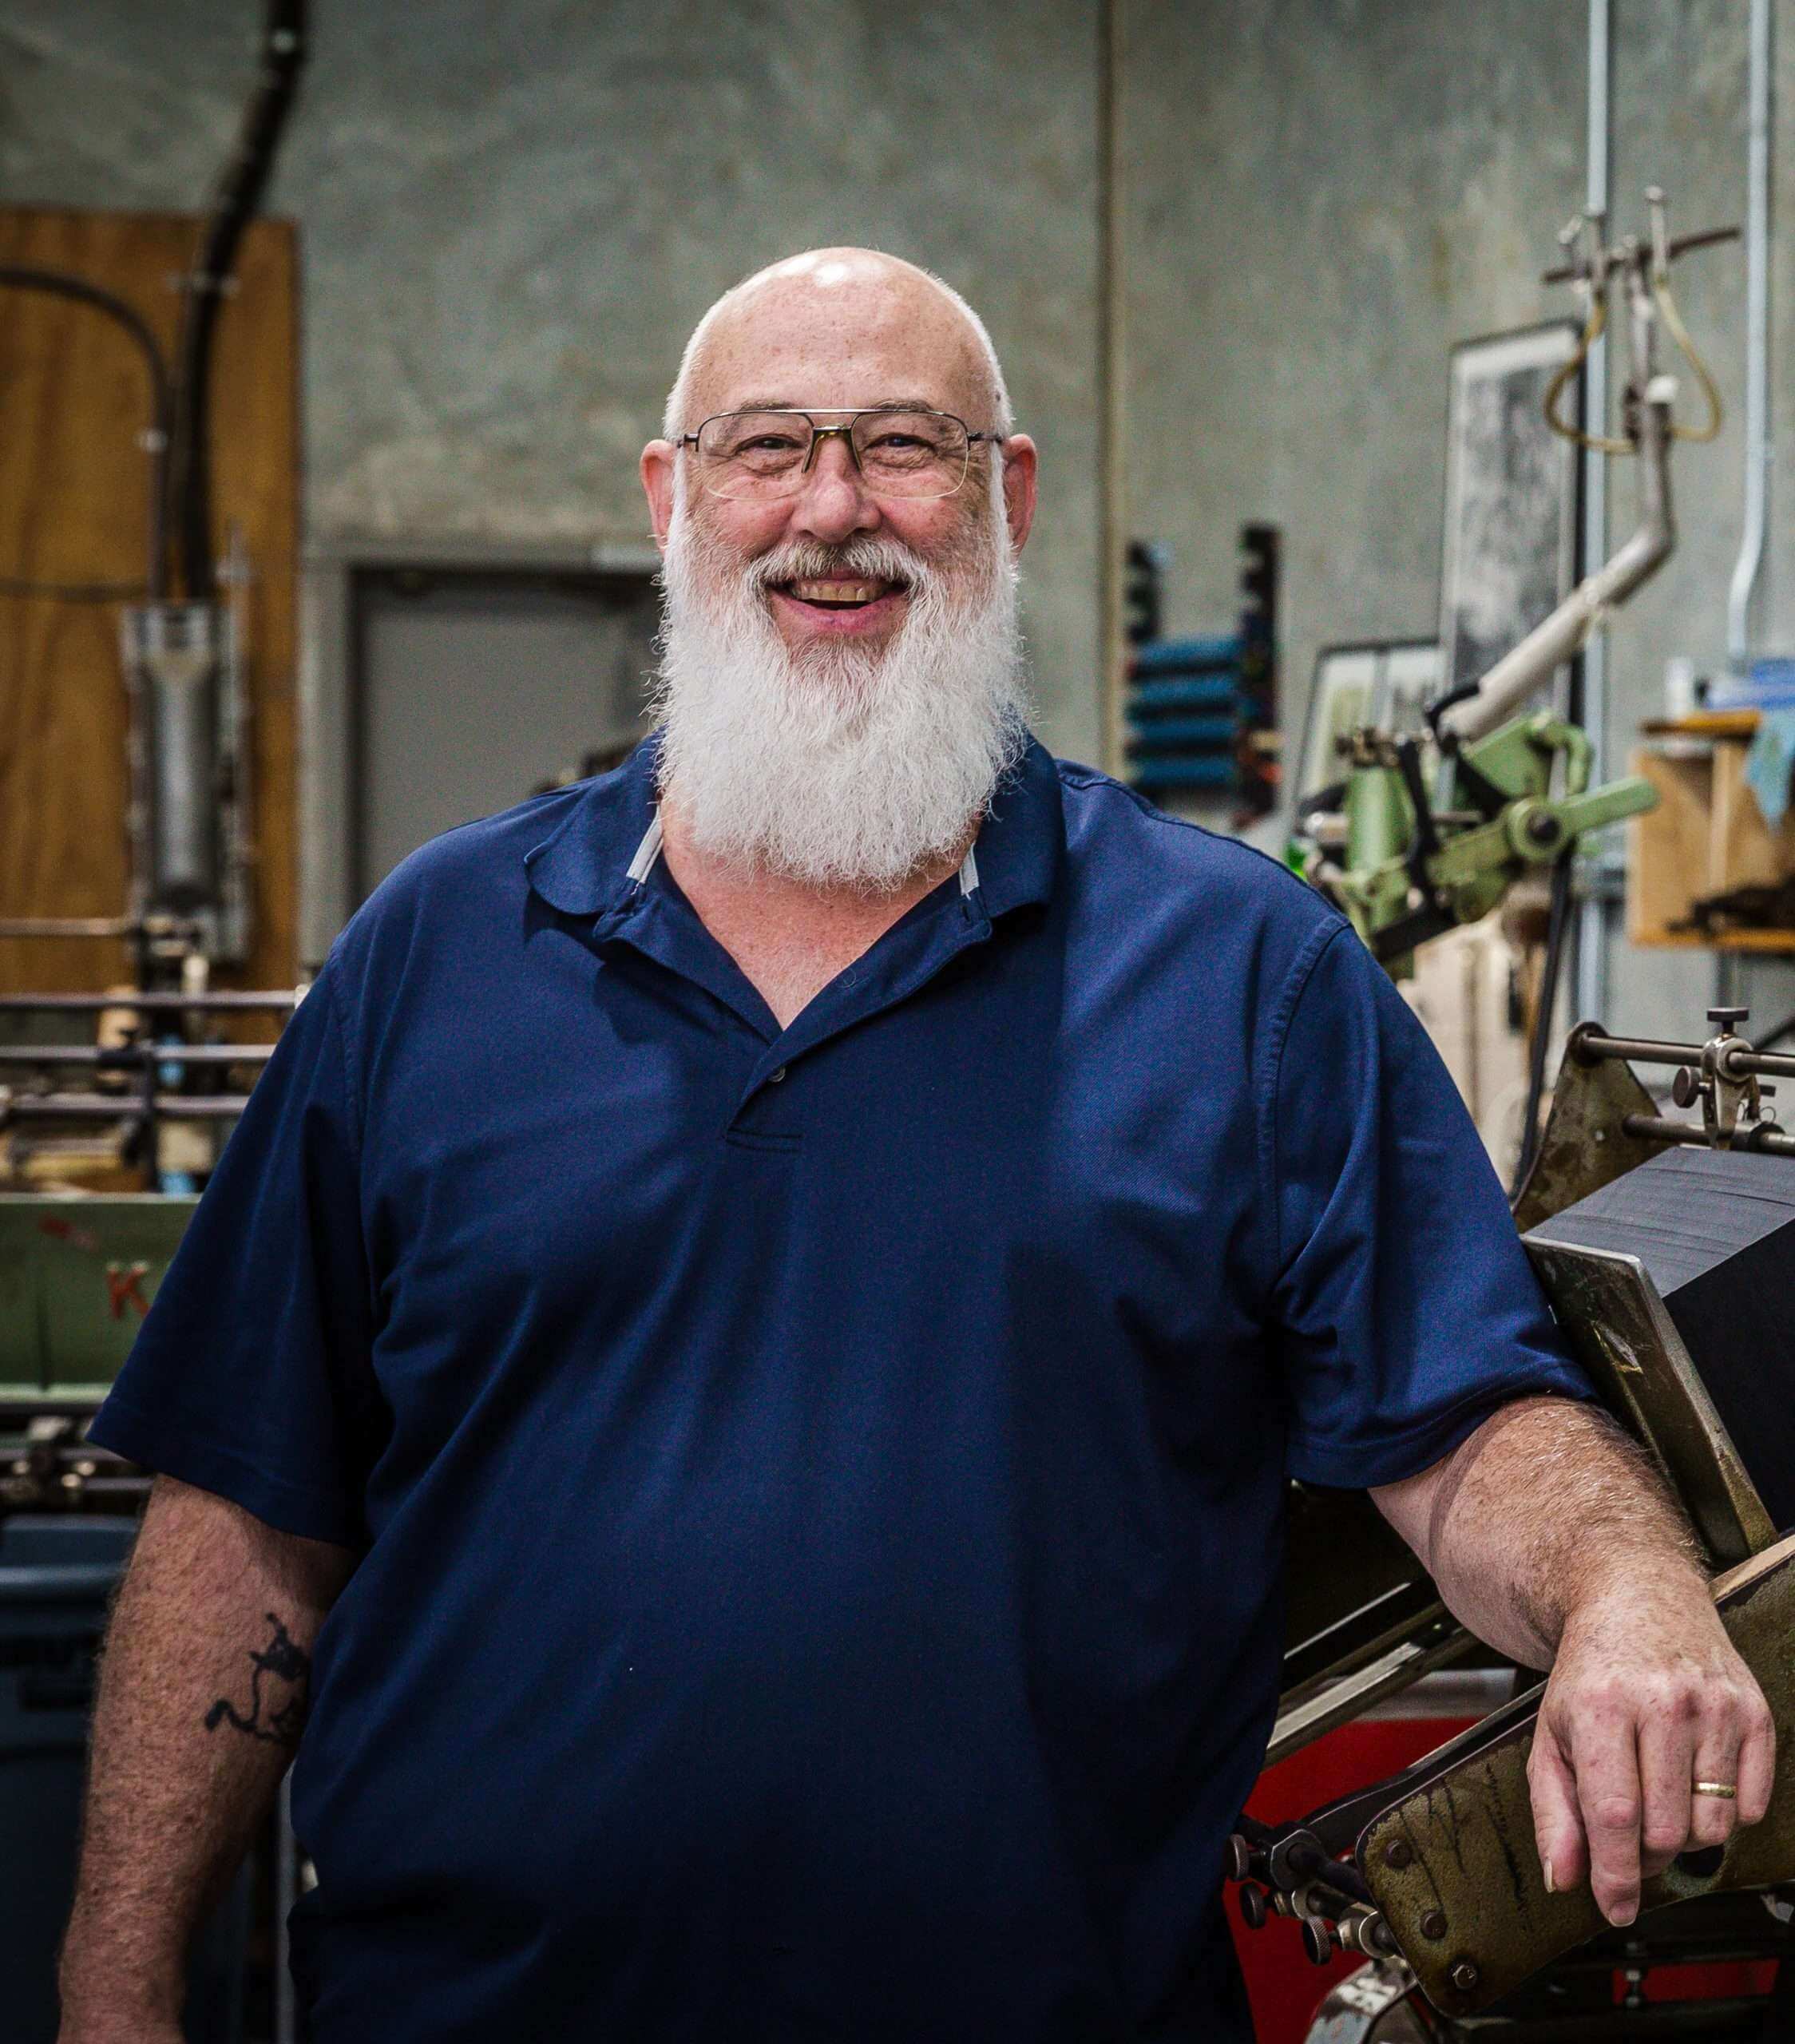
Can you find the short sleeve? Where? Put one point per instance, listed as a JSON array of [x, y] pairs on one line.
[[1405, 1307], [251, 1376]]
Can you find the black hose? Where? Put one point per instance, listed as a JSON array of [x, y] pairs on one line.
[[241, 185], [1557, 921], [59, 284]]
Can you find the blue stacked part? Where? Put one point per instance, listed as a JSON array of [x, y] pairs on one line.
[[1187, 657], [1170, 745]]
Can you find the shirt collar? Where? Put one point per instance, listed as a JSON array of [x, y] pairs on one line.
[[587, 863], [1020, 843], [583, 865]]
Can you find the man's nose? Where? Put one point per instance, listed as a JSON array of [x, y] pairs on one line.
[[834, 502]]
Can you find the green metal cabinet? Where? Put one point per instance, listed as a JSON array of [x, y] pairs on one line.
[[77, 1276]]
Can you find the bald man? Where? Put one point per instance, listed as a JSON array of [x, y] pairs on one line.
[[743, 1361]]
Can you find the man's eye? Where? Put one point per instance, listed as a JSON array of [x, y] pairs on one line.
[[901, 443], [768, 443]]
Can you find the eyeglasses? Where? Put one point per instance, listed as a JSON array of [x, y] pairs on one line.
[[767, 454]]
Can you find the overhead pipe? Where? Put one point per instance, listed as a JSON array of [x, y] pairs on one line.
[[1747, 568], [1112, 397], [1591, 953], [1575, 625]]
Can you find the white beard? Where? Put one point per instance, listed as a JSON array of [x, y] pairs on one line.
[[844, 766]]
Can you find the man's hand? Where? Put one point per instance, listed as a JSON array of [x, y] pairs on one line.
[[1551, 1536], [1647, 1697]]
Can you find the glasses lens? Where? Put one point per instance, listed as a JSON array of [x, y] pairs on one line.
[[754, 453], [911, 454], [764, 454]]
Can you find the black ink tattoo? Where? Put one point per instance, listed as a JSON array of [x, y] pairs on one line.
[[282, 1660]]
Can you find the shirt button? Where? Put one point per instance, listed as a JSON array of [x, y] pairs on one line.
[[773, 1078]]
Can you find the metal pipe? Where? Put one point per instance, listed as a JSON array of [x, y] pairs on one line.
[[1660, 1128], [103, 1106], [126, 1057], [1735, 1064], [1590, 1045], [1590, 971], [1757, 344], [143, 1004], [67, 926], [1598, 149], [1112, 514], [1549, 644]]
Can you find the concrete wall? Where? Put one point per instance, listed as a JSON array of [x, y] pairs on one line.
[[1324, 195], [512, 213]]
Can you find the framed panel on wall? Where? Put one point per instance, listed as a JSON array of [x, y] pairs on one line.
[[1388, 683], [1342, 693], [1511, 554]]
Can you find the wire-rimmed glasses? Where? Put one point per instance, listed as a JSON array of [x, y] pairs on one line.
[[768, 454]]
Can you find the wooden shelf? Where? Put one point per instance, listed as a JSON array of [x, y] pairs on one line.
[[1762, 940], [1706, 836], [1703, 723]]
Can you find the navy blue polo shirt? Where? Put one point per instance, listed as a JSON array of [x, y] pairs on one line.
[[818, 1491]]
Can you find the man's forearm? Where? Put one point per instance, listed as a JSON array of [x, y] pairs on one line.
[[1552, 1536], [202, 1696], [1544, 1506]]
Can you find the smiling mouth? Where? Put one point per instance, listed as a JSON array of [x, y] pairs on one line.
[[838, 593]]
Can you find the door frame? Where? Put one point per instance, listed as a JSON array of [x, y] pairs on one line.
[[330, 686]]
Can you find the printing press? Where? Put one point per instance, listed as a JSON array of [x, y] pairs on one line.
[[1667, 1243]]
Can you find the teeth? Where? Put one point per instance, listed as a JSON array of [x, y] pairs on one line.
[[838, 593]]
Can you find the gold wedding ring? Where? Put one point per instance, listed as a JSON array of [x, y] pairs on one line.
[[1724, 1789]]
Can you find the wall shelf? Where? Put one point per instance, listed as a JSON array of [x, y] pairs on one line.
[[1707, 836]]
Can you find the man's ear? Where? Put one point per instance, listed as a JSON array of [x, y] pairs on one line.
[[1019, 463], [658, 458]]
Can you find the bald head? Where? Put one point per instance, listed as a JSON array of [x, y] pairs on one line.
[[835, 329]]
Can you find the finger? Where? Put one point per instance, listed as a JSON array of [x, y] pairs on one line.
[[1757, 1760], [1608, 1769], [1716, 1759], [1666, 1748], [1558, 1827]]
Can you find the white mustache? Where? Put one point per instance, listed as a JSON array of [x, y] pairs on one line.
[[867, 560]]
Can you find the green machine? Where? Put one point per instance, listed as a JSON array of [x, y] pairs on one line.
[[1519, 798], [1510, 785], [132, 1081], [77, 1276]]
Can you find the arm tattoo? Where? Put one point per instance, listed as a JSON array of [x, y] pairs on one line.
[[282, 1660]]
